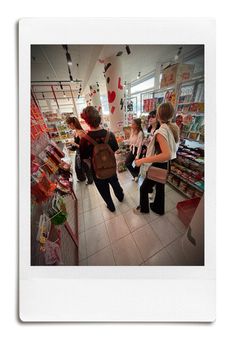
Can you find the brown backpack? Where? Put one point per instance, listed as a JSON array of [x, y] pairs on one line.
[[103, 158]]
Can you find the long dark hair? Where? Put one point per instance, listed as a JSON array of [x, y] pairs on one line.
[[137, 121], [75, 122]]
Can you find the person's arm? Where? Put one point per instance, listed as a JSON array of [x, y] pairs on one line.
[[162, 157], [139, 144], [113, 142]]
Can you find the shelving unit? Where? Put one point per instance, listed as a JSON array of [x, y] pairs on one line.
[[187, 163], [47, 183]]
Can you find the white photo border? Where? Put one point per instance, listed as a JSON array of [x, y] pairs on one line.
[[116, 293]]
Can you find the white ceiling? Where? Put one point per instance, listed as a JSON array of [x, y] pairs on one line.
[[49, 62]]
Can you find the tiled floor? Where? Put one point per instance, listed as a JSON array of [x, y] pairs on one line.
[[123, 238]]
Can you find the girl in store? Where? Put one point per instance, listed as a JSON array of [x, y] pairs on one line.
[[165, 145], [153, 125], [82, 168], [98, 135], [135, 141]]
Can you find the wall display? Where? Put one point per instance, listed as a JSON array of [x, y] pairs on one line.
[[176, 73], [149, 104]]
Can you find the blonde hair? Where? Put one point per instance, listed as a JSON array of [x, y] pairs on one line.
[[166, 112]]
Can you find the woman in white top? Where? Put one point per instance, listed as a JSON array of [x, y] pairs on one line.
[[135, 141], [165, 146]]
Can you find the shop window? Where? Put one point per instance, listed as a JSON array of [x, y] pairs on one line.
[[143, 86], [104, 104]]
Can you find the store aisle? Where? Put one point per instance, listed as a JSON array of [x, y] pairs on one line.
[[123, 238]]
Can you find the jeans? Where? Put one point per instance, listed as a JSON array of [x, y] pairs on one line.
[[104, 189], [158, 206], [129, 160]]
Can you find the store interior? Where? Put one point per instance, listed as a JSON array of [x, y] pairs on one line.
[[70, 223]]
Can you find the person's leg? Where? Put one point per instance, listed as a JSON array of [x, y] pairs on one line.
[[129, 160], [87, 171], [146, 186], [78, 169], [158, 205], [103, 187], [118, 191]]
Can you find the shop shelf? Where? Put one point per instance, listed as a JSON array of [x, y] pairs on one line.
[[186, 209], [189, 183], [193, 160], [178, 189]]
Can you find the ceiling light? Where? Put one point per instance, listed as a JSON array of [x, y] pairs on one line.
[[138, 75], [64, 95], [71, 78], [43, 95], [61, 86], [68, 57], [128, 49], [119, 54]]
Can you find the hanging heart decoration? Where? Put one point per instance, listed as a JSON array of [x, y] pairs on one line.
[[112, 109], [111, 96]]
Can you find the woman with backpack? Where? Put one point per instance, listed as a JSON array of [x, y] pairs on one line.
[[82, 169], [135, 141], [99, 145], [165, 145]]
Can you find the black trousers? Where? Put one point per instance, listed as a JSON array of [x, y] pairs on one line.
[[82, 169], [158, 206], [129, 160], [104, 189]]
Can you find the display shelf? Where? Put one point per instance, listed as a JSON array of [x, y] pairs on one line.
[[183, 167], [178, 189], [187, 182], [191, 160]]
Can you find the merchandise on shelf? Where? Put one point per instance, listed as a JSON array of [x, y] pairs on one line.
[[187, 171]]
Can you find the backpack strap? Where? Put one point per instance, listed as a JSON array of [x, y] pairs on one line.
[[107, 137], [91, 140]]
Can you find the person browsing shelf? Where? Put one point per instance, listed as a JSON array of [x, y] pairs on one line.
[[166, 141], [135, 141]]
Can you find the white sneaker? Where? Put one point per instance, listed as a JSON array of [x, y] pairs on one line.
[[151, 196], [136, 179]]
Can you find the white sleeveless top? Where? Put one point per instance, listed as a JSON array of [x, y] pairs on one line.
[[166, 132]]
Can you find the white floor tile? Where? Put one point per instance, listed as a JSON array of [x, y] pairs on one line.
[[102, 258], [134, 221], [82, 247], [165, 230], [175, 221], [83, 262], [176, 252], [93, 217], [126, 252], [90, 203], [174, 196], [147, 241], [169, 204], [81, 224], [107, 214], [96, 239], [162, 258], [117, 228]]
